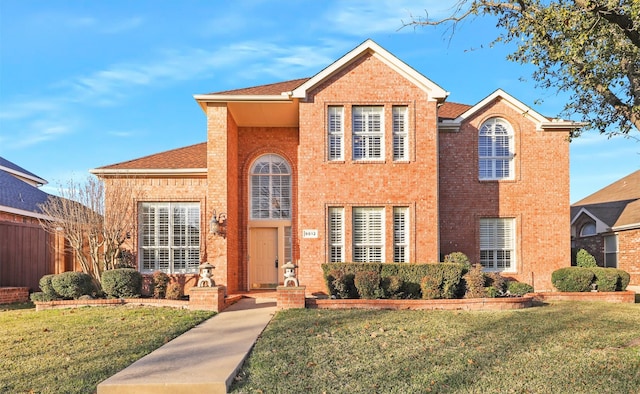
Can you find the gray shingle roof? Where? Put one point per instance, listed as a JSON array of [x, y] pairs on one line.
[[17, 194]]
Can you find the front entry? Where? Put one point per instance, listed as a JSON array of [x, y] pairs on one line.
[[263, 257]]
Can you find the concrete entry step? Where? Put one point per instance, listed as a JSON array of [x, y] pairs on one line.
[[204, 359]]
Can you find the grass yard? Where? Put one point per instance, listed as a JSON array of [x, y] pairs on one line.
[[563, 347], [72, 350]]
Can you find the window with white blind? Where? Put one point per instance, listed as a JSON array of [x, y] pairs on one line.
[[368, 235], [335, 130], [336, 235], [611, 251], [270, 188], [495, 150], [400, 133], [368, 132], [497, 244], [400, 235], [169, 237]]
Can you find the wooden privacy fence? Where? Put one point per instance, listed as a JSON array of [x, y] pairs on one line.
[[26, 254]]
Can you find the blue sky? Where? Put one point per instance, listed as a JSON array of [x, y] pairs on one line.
[[90, 83]]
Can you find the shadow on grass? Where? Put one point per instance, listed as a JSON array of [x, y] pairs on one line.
[[20, 305], [637, 298]]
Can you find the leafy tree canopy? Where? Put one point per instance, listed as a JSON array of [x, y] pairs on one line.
[[587, 48]]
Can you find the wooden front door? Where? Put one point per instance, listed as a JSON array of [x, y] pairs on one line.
[[263, 254]]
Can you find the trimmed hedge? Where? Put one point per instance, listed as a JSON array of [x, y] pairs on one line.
[[447, 278], [368, 284], [580, 279], [518, 289], [122, 283], [73, 284], [47, 287]]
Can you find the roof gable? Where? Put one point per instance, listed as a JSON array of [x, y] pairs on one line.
[[20, 197], [434, 91], [541, 122], [16, 170]]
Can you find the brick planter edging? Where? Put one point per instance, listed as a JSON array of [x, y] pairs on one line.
[[58, 304], [603, 296], [470, 304], [12, 295]]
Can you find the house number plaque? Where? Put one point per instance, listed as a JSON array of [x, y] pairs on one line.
[[309, 233]]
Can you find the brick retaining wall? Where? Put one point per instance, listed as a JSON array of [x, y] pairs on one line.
[[12, 295], [472, 304]]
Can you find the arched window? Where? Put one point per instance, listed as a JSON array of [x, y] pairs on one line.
[[588, 229], [270, 188], [495, 150]]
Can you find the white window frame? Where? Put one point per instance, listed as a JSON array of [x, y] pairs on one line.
[[368, 133], [368, 235], [588, 229], [166, 231], [336, 235], [270, 188], [401, 235], [496, 150], [335, 133], [610, 250], [400, 132], [498, 244]]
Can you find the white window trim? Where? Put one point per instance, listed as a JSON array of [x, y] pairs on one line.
[[400, 133], [282, 203], [170, 247], [336, 235], [607, 252], [335, 130], [367, 134], [493, 158], [371, 240], [492, 242], [401, 234]]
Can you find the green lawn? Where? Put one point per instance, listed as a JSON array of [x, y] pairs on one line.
[[72, 350], [558, 348]]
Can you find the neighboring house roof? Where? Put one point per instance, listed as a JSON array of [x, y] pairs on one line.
[[16, 170], [189, 159], [19, 196], [617, 205]]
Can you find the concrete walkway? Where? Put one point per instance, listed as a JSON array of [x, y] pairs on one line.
[[205, 359]]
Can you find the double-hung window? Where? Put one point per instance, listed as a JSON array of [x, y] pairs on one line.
[[611, 251], [497, 244], [495, 150], [368, 235], [336, 235], [368, 132], [335, 131], [169, 237], [400, 133], [400, 234]]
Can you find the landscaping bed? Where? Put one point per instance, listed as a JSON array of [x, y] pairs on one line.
[[475, 304]]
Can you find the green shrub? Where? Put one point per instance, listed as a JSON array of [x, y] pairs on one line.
[[623, 280], [73, 284], [605, 278], [159, 283], [368, 284], [494, 279], [458, 258], [492, 292], [572, 279], [585, 259], [518, 289], [430, 287], [475, 282], [392, 286], [122, 283], [47, 287], [40, 296], [174, 291]]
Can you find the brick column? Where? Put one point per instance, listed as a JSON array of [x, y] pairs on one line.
[[291, 297], [206, 298]]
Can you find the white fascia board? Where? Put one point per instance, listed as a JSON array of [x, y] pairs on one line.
[[22, 212], [562, 125], [601, 226], [448, 126], [435, 91], [35, 179], [147, 171], [626, 227], [518, 105], [225, 98]]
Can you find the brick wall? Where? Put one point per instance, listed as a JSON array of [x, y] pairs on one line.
[[10, 295], [367, 81], [629, 254], [538, 197]]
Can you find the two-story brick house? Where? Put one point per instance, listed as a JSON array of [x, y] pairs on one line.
[[363, 162]]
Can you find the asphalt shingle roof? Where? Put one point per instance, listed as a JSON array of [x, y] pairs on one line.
[[193, 156], [617, 204], [17, 194]]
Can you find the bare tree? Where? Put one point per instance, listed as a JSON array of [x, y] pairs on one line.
[[94, 235]]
